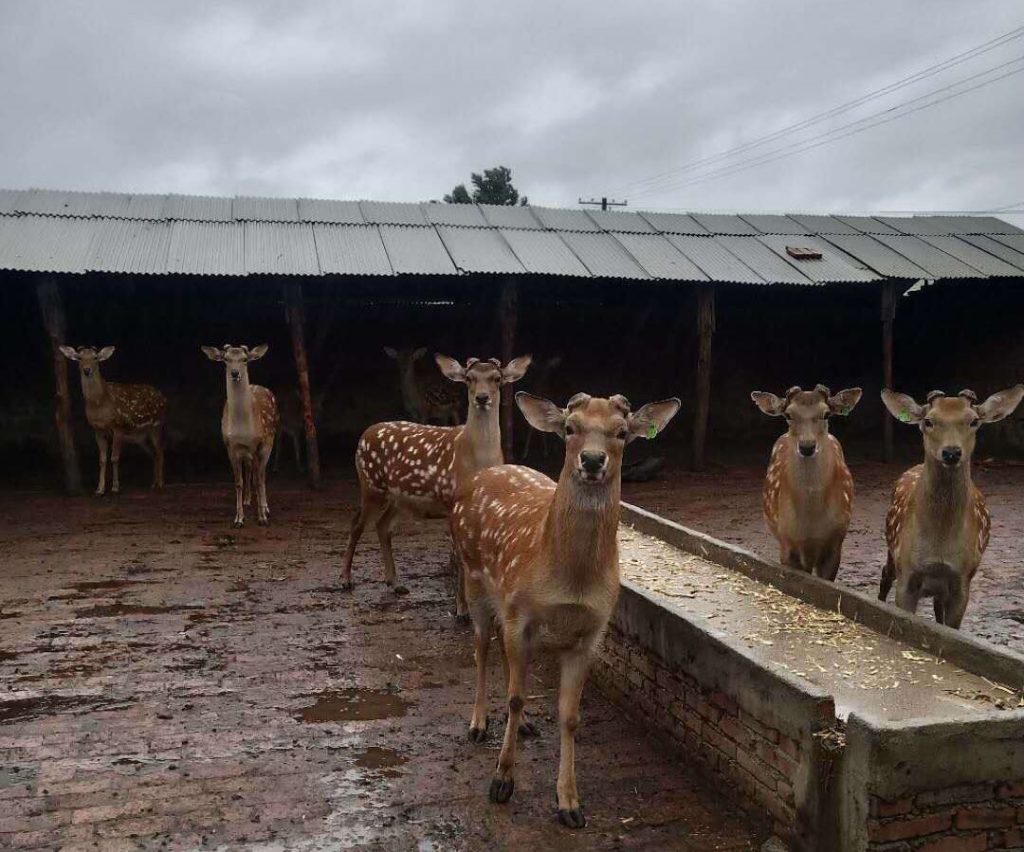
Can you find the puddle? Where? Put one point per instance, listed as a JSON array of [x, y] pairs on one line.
[[111, 610], [96, 585], [352, 705], [22, 709], [380, 758]]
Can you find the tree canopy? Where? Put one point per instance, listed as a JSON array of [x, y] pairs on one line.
[[494, 186]]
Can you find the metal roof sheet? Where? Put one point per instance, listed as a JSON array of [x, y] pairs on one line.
[[715, 260], [823, 224], [659, 258], [879, 257], [198, 208], [721, 223], [479, 250], [45, 243], [993, 246], [1014, 241], [620, 222], [146, 206], [973, 256], [392, 213], [9, 200], [675, 223], [509, 216], [914, 225], [833, 266], [465, 215], [280, 248], [350, 250], [774, 224], [206, 248], [765, 262], [130, 246], [564, 219], [544, 252], [416, 250], [936, 263], [866, 225], [46, 202], [973, 225], [326, 210], [602, 255], [251, 209]]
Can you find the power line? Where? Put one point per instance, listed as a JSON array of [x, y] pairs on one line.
[[830, 136], [930, 71]]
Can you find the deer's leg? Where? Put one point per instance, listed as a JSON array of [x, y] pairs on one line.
[[247, 483], [371, 504], [115, 461], [888, 575], [908, 592], [504, 782], [458, 572], [385, 531], [103, 445], [526, 727], [483, 619], [574, 673], [956, 605], [259, 466], [238, 469], [156, 439], [828, 560]]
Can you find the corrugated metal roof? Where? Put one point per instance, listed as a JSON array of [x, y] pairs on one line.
[[936, 263], [832, 267], [392, 213], [602, 255], [479, 250], [973, 256], [866, 224], [326, 210], [659, 258], [823, 224], [544, 252], [418, 251], [45, 202], [146, 207], [879, 257], [714, 259], [980, 225], [250, 209], [8, 200], [466, 215], [916, 226], [1014, 241], [45, 243], [769, 224], [993, 246], [563, 219], [623, 223], [207, 248], [198, 208], [721, 223], [763, 260], [280, 248], [509, 216], [350, 250], [130, 246], [675, 223]]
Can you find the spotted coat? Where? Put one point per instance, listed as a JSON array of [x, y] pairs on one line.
[[409, 459], [265, 417], [132, 407]]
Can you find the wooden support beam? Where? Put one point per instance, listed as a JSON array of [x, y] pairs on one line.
[[705, 316], [508, 317], [295, 314], [52, 309], [890, 296]]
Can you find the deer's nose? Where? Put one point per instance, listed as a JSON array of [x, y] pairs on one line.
[[87, 371], [483, 399], [592, 461], [951, 455], [807, 448], [235, 374]]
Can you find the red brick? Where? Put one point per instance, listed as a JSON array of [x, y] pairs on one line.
[[981, 817], [962, 794], [706, 709], [761, 771], [890, 808], [737, 732], [1010, 790], [726, 702], [789, 746], [901, 829], [720, 741], [1012, 839], [775, 758], [758, 727], [956, 843]]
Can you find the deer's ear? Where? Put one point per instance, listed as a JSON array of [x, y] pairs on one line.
[[1001, 404], [769, 403], [652, 418], [903, 407], [845, 401], [391, 353], [515, 369], [258, 352], [419, 353], [213, 353], [450, 368], [69, 352], [542, 414], [104, 353]]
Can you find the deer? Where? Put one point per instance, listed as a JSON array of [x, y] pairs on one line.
[[118, 413], [808, 489], [542, 559], [425, 396], [248, 425], [418, 468], [937, 526]]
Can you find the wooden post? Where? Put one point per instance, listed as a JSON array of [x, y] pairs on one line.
[[52, 309], [702, 396], [890, 296], [296, 321], [508, 316]]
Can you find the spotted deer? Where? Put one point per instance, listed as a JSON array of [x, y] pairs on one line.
[[543, 559], [419, 468], [808, 490], [427, 398], [248, 425], [937, 526], [118, 413]]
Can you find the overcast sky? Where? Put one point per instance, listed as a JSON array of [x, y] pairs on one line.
[[401, 100]]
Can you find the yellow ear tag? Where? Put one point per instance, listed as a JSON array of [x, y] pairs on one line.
[[652, 431]]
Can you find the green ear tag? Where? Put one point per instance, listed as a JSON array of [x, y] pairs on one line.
[[846, 410], [904, 416], [652, 431]]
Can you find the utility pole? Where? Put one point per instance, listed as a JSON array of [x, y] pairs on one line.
[[604, 201]]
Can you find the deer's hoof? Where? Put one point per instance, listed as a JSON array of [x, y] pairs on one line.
[[462, 619], [98, 493], [400, 590], [478, 735], [528, 729], [572, 818], [264, 522], [346, 586], [237, 524], [501, 790]]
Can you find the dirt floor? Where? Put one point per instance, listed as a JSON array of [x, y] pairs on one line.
[[727, 505], [167, 682]]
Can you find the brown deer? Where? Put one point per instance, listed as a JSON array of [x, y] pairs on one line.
[[427, 398], [419, 468], [248, 425], [937, 526], [808, 490], [544, 558], [118, 413]]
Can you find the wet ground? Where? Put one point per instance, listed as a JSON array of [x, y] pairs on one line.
[[167, 682], [726, 504]]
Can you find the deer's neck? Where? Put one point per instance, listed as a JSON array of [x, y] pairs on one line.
[[582, 529], [478, 445], [409, 384], [95, 390], [240, 403], [946, 494], [811, 476]]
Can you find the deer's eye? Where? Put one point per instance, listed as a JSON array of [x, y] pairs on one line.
[[570, 429], [622, 434], [826, 415], [976, 422], [928, 423]]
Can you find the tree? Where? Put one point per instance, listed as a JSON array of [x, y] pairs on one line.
[[494, 186]]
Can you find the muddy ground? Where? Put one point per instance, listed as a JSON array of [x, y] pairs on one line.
[[167, 682]]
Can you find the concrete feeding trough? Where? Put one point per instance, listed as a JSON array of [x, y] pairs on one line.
[[854, 724]]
